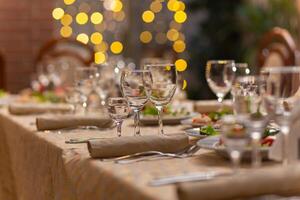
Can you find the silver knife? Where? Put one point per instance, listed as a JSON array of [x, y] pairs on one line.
[[202, 176]]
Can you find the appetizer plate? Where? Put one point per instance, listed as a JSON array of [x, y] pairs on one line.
[[195, 132], [167, 119], [212, 143]]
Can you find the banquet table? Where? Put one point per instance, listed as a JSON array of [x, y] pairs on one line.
[[40, 165]]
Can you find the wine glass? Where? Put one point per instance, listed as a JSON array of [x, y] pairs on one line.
[[118, 110], [104, 82], [164, 84], [241, 69], [282, 93], [84, 81], [248, 106], [235, 138], [134, 86], [72, 97], [220, 76]]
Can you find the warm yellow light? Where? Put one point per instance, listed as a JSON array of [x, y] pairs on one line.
[[117, 6], [100, 58], [66, 31], [181, 6], [179, 46], [96, 38], [184, 84], [146, 37], [82, 18], [96, 18], [102, 47], [160, 38], [156, 6], [82, 37], [116, 47], [58, 13], [119, 16], [66, 20], [172, 35], [173, 5], [69, 2], [180, 17], [181, 65], [148, 16]]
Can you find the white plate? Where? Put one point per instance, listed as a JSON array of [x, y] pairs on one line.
[[167, 120], [212, 143]]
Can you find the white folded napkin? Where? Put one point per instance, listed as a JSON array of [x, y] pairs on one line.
[[28, 109], [54, 122], [120, 146], [283, 181]]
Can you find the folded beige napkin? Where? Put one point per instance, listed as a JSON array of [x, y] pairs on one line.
[[121, 146], [283, 181], [67, 121], [28, 109], [206, 106]]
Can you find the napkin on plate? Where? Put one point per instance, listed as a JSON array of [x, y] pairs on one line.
[[206, 106], [113, 147], [28, 109], [283, 181], [54, 122]]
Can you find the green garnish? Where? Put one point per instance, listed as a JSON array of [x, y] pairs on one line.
[[2, 93], [208, 130], [215, 116]]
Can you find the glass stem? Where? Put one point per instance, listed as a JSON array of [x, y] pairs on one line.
[[160, 122], [236, 159], [285, 130], [256, 157], [137, 122], [221, 105], [85, 107], [119, 128]]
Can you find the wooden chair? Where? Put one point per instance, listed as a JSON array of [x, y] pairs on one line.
[[277, 48], [66, 48]]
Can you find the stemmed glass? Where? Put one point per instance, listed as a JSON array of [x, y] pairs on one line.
[[235, 138], [248, 106], [72, 97], [219, 76], [163, 87], [84, 81], [134, 86], [103, 82], [282, 93], [118, 110]]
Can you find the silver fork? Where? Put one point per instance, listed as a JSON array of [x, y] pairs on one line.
[[183, 154], [142, 154]]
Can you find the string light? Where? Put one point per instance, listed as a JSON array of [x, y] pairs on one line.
[[148, 16], [66, 31], [58, 13], [66, 20], [179, 46], [82, 37], [116, 47], [96, 18], [172, 35], [181, 65], [82, 18], [96, 38], [180, 17], [146, 37], [69, 2], [100, 57]]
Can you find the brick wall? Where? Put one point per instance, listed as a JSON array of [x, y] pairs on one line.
[[25, 25]]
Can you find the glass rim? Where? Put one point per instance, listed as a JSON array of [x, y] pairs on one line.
[[241, 64], [160, 65], [254, 77], [222, 61], [280, 69], [137, 70]]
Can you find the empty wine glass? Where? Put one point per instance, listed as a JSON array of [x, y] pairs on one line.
[[72, 97], [118, 110], [84, 81], [235, 138], [248, 106], [282, 93], [164, 84], [241, 69], [104, 82], [219, 76], [134, 87]]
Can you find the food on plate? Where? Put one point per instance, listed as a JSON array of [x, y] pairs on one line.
[[28, 95], [209, 118], [150, 110], [209, 130]]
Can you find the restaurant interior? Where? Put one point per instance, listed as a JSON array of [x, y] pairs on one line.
[[149, 100]]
